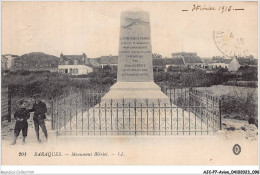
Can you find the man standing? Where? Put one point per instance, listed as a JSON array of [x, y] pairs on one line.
[[39, 108]]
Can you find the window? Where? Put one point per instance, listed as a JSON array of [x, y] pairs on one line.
[[70, 71], [66, 71], [75, 71], [76, 62]]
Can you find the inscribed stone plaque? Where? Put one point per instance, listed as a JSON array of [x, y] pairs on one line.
[[135, 50]]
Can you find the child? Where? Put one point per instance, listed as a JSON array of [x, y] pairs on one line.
[[21, 116]]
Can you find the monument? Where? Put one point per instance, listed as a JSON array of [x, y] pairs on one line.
[[135, 67]]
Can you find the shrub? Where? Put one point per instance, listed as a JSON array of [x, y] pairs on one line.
[[242, 105]]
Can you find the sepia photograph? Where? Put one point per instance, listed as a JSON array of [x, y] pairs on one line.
[[129, 83]]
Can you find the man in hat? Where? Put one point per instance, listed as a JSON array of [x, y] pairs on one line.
[[39, 108], [21, 116]]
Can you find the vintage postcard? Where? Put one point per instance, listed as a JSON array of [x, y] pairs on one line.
[[129, 83]]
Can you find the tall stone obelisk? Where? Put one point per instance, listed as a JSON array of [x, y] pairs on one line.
[[135, 66]]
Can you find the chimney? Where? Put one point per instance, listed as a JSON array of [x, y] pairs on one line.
[[61, 55]]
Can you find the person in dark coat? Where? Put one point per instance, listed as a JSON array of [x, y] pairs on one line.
[[39, 108], [21, 116]]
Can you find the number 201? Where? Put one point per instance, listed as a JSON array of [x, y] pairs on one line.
[[22, 153]]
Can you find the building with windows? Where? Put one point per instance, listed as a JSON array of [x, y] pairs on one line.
[[76, 64], [190, 59], [219, 63]]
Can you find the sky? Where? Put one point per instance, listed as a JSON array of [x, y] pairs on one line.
[[93, 27]]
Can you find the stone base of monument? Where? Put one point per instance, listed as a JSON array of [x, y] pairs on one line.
[[142, 92]]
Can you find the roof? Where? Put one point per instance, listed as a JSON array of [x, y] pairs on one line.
[[107, 60], [184, 53], [227, 61], [91, 62], [246, 61], [71, 59], [158, 62], [192, 60], [176, 61], [167, 61], [82, 60]]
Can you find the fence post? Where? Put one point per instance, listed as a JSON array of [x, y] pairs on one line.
[[99, 117], [76, 117], [153, 118], [159, 116], [123, 116], [64, 117], [111, 115], [135, 114], [171, 118], [82, 111], [57, 117], [220, 122], [129, 116], [207, 108], [52, 118], [147, 113], [117, 117], [9, 104], [170, 96]]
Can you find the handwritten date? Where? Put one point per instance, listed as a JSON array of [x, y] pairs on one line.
[[204, 7]]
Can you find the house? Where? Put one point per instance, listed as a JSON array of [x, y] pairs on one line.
[[110, 60], [190, 59], [193, 62], [7, 61], [165, 63], [236, 63], [176, 62], [219, 63], [76, 64]]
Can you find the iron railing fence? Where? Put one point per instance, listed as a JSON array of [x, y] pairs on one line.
[[190, 112]]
